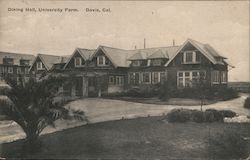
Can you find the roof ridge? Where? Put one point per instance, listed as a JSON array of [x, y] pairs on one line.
[[17, 53], [154, 48]]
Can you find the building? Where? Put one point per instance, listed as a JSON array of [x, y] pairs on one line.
[[14, 64], [105, 70]]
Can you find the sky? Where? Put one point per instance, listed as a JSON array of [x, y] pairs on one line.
[[222, 24]]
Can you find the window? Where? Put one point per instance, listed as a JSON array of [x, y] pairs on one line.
[[136, 63], [155, 77], [24, 62], [223, 77], [111, 80], [189, 78], [26, 70], [10, 69], [119, 80], [8, 61], [19, 71], [146, 77], [39, 65], [78, 62], [215, 77], [190, 57], [101, 61], [156, 62], [133, 78]]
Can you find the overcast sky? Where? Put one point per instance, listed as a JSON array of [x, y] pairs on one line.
[[224, 25]]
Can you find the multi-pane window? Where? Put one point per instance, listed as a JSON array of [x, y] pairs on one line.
[[111, 80], [146, 77], [133, 78], [78, 62], [10, 69], [39, 65], [156, 62], [223, 77], [8, 61], [102, 61], [191, 57], [136, 63], [19, 71], [155, 77], [215, 77], [189, 78], [24, 62], [119, 80]]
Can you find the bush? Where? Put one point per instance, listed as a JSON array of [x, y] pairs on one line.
[[179, 115], [197, 116], [247, 103], [212, 115], [227, 113], [227, 145]]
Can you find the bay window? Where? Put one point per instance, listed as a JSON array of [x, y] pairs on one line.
[[223, 77]]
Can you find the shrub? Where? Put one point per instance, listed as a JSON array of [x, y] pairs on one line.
[[227, 113], [197, 116], [212, 115], [179, 115], [227, 145], [247, 103], [225, 93]]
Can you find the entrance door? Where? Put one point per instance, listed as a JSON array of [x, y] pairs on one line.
[[92, 90]]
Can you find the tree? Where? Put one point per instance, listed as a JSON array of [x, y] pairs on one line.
[[32, 105]]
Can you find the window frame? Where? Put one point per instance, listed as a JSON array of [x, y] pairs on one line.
[[113, 81], [194, 57], [153, 62], [215, 77], [223, 77], [103, 61], [80, 62], [10, 70], [188, 77], [39, 65], [149, 77]]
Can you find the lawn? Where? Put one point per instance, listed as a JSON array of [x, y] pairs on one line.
[[141, 138]]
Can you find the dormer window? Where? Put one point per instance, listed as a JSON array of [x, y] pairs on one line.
[[156, 62], [190, 57], [78, 62], [39, 65], [8, 61], [136, 63], [24, 62], [102, 61]]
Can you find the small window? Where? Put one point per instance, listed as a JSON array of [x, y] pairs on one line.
[[190, 57], [156, 62], [78, 62], [119, 80], [136, 63], [111, 80], [24, 62], [39, 65], [101, 61], [146, 77], [223, 77], [215, 77], [10, 69]]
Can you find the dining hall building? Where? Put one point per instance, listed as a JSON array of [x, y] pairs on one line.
[[106, 70]]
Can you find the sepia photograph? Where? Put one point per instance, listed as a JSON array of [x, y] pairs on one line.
[[124, 80]]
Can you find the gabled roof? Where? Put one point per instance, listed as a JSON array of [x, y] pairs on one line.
[[117, 56], [158, 54], [16, 57], [50, 60], [205, 49], [86, 54], [138, 56]]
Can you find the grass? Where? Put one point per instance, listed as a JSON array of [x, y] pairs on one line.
[[142, 138], [171, 101]]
